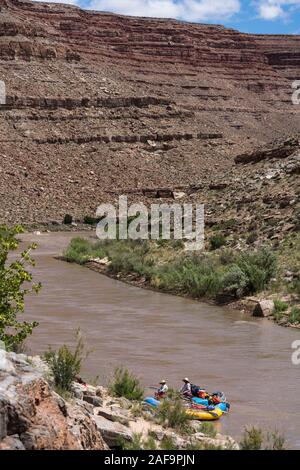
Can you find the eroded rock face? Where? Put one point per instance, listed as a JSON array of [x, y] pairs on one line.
[[112, 432], [100, 103], [256, 202], [32, 416], [282, 149]]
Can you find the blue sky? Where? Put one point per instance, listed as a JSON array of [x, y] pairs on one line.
[[254, 16]]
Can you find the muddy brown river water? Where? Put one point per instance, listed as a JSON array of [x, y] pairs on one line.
[[162, 336]]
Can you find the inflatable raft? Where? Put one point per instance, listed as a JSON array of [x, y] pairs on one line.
[[152, 402], [202, 402], [205, 415], [203, 411], [200, 408]]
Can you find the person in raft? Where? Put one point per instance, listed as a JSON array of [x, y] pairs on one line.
[[162, 390], [186, 389]]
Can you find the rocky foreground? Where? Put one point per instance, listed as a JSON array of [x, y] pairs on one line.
[[34, 417]]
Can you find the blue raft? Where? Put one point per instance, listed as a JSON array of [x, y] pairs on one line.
[[204, 402], [152, 402], [197, 401]]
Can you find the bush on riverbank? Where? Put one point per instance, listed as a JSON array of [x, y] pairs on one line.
[[125, 384], [256, 439], [65, 364], [224, 275], [294, 316], [81, 249], [129, 257], [172, 414]]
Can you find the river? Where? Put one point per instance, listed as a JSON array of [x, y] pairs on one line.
[[160, 336]]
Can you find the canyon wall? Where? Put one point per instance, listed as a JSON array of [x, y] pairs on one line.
[[98, 103]]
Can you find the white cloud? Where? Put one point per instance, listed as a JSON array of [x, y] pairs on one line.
[[276, 9], [190, 10], [270, 12]]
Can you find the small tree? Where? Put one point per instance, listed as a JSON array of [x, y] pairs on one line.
[[65, 364], [217, 241], [13, 275], [68, 219], [252, 439], [125, 384]]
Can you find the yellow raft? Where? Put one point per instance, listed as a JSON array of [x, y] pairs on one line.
[[204, 415]]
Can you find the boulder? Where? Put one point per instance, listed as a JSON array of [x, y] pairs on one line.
[[102, 261], [114, 414], [101, 392], [93, 400], [112, 432], [77, 390], [33, 416], [178, 195], [11, 443], [264, 308], [220, 441]]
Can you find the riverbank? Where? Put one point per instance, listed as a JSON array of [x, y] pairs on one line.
[[35, 417], [157, 335], [253, 281]]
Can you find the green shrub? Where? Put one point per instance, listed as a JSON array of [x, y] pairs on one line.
[[129, 262], [208, 429], [216, 241], [177, 244], [13, 277], [234, 282], [149, 443], [203, 446], [168, 443], [66, 364], [68, 219], [294, 316], [252, 237], [172, 243], [129, 257], [259, 267], [252, 439], [279, 308], [125, 384], [275, 441], [90, 220], [225, 225], [78, 251], [227, 257], [135, 444], [295, 286], [194, 276], [173, 415], [256, 439]]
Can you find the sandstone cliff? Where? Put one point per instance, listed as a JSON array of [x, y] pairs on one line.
[[98, 102]]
